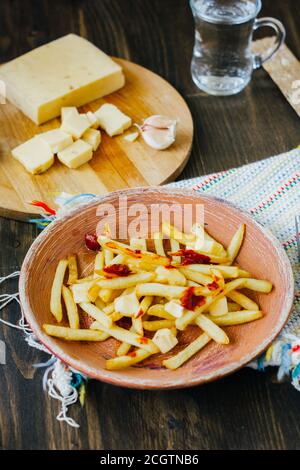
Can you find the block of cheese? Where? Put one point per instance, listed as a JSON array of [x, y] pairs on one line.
[[67, 110], [112, 120], [57, 139], [35, 155], [92, 137], [69, 71], [76, 155], [164, 340], [75, 124], [94, 123]]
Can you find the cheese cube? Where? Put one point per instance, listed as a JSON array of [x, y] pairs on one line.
[[94, 123], [56, 139], [68, 110], [220, 307], [80, 291], [165, 340], [92, 137], [174, 308], [69, 71], [169, 276], [35, 155], [76, 155], [75, 124], [112, 120], [127, 305]]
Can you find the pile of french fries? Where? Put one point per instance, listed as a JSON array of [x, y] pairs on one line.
[[161, 293]]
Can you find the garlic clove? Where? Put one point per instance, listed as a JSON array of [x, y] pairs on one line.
[[159, 132]]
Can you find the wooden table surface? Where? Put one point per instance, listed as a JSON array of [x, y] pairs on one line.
[[246, 410]]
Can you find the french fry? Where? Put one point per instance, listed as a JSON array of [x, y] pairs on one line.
[[128, 360], [146, 256], [242, 300], [158, 310], [236, 318], [108, 295], [128, 337], [213, 330], [233, 307], [71, 307], [109, 308], [228, 272], [160, 290], [236, 243], [108, 257], [159, 245], [259, 285], [129, 281], [184, 355], [99, 264], [100, 304], [158, 324], [97, 314], [123, 349], [73, 334], [73, 269], [196, 276], [138, 244], [243, 273], [55, 299], [137, 324], [93, 292]]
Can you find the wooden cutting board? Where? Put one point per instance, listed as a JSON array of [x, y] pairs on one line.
[[116, 164]]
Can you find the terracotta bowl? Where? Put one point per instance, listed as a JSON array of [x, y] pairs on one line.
[[261, 254]]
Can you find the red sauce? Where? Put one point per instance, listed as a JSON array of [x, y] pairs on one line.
[[296, 348], [170, 266], [213, 285], [91, 242], [137, 252], [190, 301], [131, 354], [121, 270], [192, 257], [143, 340], [140, 313]]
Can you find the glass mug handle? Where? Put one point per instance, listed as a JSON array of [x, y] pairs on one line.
[[279, 29]]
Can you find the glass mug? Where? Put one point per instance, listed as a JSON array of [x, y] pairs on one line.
[[222, 61]]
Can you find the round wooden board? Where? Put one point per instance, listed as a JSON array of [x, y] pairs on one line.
[[117, 164]]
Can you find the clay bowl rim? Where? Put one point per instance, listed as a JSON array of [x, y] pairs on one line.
[[129, 382]]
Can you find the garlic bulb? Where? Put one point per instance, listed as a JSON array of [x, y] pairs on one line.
[[158, 131]]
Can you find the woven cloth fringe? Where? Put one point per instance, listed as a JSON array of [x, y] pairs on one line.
[[270, 191]]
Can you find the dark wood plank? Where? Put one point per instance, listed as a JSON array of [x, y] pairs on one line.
[[246, 410]]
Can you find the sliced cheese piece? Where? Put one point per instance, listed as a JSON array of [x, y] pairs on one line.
[[57, 139], [35, 155], [112, 120], [127, 304], [69, 71], [68, 110], [75, 124], [131, 137], [94, 122], [174, 308], [165, 340], [92, 137], [76, 155]]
